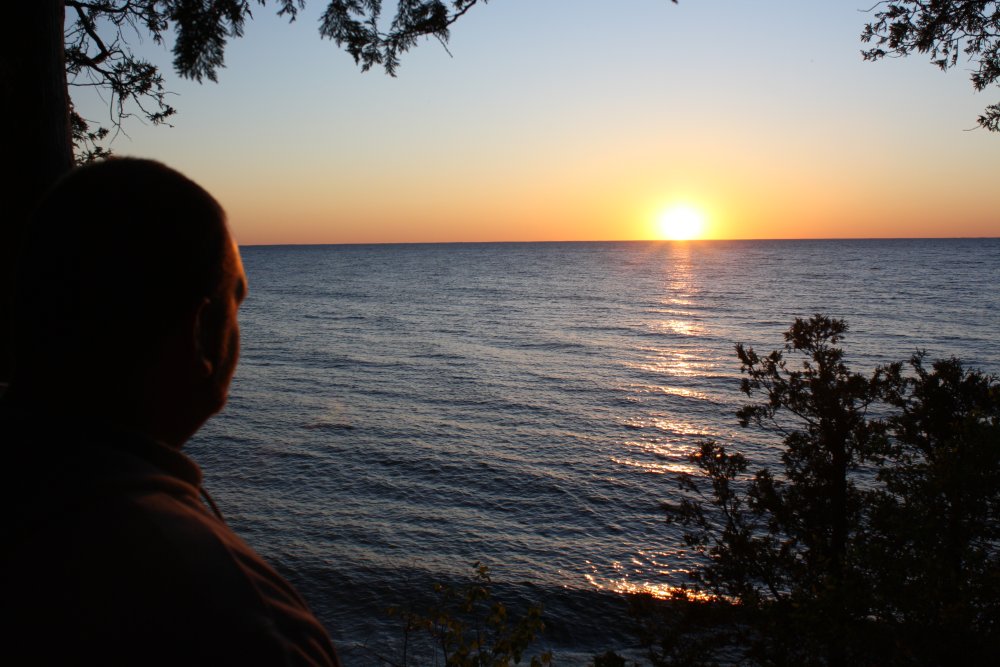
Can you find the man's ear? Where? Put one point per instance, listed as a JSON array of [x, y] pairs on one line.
[[203, 335]]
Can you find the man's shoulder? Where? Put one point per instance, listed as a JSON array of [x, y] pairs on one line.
[[168, 557], [70, 478], [112, 548]]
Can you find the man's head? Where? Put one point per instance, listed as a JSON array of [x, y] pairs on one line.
[[127, 291]]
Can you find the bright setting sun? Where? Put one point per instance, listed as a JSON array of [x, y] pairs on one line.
[[680, 223]]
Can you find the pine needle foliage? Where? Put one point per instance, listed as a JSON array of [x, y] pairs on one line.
[[948, 31], [875, 539], [99, 34]]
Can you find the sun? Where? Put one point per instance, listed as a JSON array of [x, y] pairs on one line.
[[681, 223]]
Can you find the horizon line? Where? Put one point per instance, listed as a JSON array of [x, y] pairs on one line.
[[673, 241]]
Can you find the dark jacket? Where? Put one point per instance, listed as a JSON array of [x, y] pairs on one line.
[[110, 557]]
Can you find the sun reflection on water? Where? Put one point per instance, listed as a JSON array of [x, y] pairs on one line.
[[658, 457], [671, 365], [655, 468], [681, 327], [683, 392], [673, 362], [670, 425], [663, 591], [633, 580]]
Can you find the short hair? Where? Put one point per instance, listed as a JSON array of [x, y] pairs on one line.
[[115, 253]]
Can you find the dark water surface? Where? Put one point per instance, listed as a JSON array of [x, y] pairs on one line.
[[401, 411]]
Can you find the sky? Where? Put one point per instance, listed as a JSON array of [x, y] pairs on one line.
[[565, 120]]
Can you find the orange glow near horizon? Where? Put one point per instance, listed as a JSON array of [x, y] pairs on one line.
[[619, 213], [588, 208], [564, 194]]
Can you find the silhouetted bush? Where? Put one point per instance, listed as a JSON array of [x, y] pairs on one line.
[[874, 539], [465, 626]]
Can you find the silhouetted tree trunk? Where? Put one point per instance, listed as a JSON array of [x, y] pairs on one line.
[[34, 114]]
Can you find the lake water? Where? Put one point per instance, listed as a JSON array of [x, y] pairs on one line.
[[401, 411]]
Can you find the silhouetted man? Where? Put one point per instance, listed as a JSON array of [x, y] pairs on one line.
[[126, 339]]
